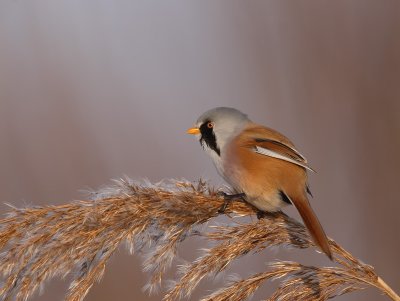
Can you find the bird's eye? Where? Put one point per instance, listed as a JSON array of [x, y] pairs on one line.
[[210, 125]]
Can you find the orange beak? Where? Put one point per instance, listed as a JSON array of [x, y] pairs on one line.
[[193, 131]]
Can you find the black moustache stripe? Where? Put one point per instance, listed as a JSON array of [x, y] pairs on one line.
[[208, 137]]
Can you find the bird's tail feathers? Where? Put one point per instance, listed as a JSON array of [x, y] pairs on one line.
[[313, 225]]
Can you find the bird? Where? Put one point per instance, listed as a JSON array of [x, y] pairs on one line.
[[261, 164]]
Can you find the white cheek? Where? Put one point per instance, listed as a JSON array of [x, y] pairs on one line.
[[215, 158]]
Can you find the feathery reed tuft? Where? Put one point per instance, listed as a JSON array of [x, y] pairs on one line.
[[77, 239]]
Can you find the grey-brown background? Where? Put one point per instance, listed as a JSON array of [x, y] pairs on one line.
[[93, 90]]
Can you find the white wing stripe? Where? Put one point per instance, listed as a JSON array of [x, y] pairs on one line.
[[270, 153], [287, 146]]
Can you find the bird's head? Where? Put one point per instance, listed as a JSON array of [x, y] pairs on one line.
[[217, 126]]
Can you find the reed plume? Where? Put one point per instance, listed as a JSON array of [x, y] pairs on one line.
[[77, 239]]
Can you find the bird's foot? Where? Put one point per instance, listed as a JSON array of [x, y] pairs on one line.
[[229, 198], [264, 214], [261, 214]]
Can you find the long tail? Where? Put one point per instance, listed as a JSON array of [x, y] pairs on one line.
[[313, 225]]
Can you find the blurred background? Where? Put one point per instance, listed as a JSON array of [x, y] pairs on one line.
[[94, 90]]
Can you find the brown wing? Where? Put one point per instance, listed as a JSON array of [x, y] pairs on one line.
[[271, 143], [268, 142]]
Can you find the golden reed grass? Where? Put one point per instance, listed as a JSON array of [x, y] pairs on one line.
[[77, 239]]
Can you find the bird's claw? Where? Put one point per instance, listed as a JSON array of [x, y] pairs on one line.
[[261, 214], [229, 198]]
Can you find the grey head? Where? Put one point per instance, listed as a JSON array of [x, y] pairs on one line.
[[217, 127]]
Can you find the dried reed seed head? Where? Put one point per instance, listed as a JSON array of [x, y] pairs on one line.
[[78, 239]]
